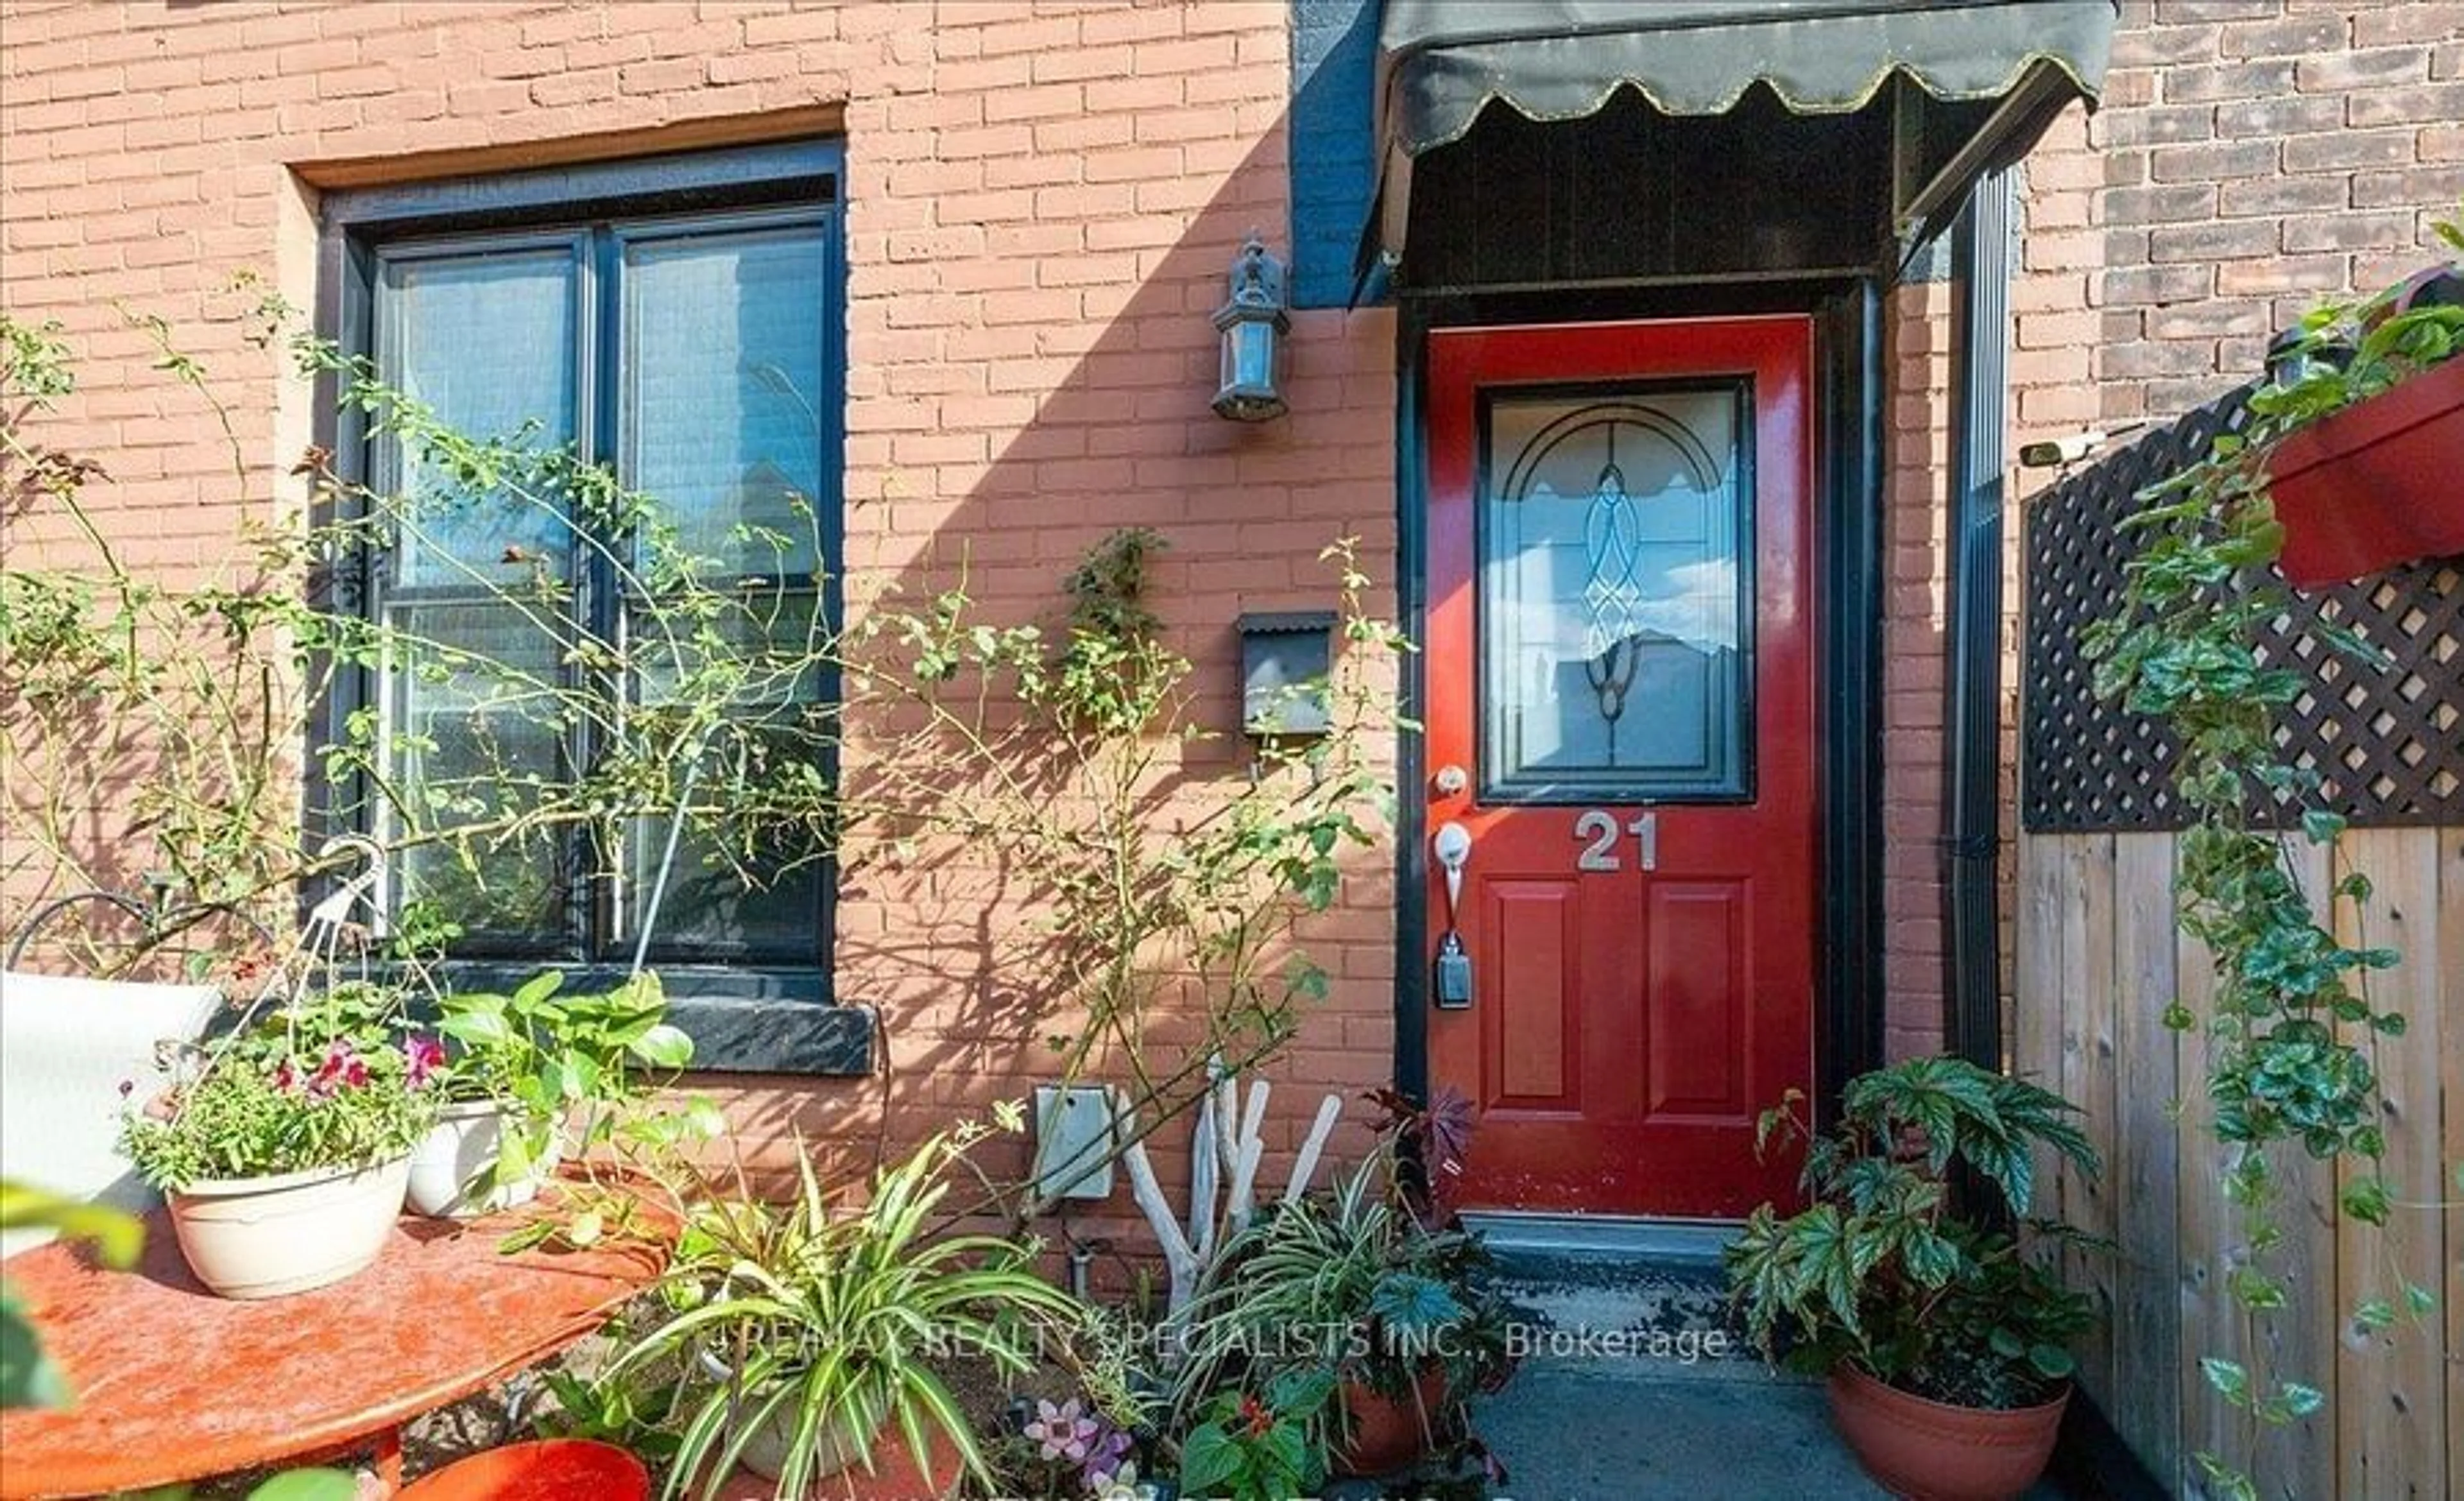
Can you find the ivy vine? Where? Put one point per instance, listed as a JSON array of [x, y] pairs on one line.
[[2293, 1036]]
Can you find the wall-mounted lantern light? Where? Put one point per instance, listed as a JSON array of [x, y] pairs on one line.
[[1284, 659], [1252, 325]]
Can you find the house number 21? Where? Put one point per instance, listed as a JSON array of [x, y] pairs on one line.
[[1599, 829]]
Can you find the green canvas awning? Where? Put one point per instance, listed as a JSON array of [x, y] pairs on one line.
[[1441, 62]]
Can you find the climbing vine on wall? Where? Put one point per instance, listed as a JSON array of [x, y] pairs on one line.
[[2293, 1035]]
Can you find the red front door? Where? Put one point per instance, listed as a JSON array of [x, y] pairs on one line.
[[1620, 719]]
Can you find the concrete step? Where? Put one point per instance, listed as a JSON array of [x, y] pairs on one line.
[[1626, 1320], [1637, 1384]]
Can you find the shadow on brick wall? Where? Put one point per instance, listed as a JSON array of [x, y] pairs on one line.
[[994, 462]]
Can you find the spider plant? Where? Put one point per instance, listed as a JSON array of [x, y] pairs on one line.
[[813, 1329], [1351, 1284]]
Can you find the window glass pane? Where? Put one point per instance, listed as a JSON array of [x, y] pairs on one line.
[[477, 741], [487, 343], [724, 895], [723, 343], [1613, 542]]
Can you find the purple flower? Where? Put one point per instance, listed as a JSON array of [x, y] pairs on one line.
[[127, 1086], [424, 1055], [1108, 1463]]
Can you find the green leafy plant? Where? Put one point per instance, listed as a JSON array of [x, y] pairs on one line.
[[328, 1081], [633, 1415], [1152, 873], [1074, 753], [1882, 1269], [549, 1058], [1253, 1447], [817, 1327], [2292, 1033], [1354, 1286]]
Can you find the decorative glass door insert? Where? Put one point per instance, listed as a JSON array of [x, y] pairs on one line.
[[1616, 558]]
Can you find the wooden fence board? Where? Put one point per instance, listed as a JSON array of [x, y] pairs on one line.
[[2449, 983], [2392, 1427], [2147, 1311], [2298, 1460], [2095, 963], [2036, 959], [2088, 942], [2209, 1325]]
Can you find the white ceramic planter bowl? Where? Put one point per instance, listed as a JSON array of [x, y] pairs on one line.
[[456, 1155], [267, 1237]]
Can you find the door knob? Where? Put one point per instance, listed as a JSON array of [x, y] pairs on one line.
[[1452, 847]]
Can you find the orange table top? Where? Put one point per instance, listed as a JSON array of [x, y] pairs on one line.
[[173, 1383]]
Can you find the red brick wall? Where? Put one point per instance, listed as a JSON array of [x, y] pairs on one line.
[[2252, 158], [1043, 202], [1043, 205], [1916, 459]]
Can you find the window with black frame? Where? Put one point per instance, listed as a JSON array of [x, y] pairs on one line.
[[693, 358]]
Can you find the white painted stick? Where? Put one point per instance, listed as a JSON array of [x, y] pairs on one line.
[[1305, 1166], [1227, 1115], [1253, 1150], [1181, 1263], [1202, 1179]]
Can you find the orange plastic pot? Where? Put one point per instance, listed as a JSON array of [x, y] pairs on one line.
[[1932, 1451], [548, 1469]]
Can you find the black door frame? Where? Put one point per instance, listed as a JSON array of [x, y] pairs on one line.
[[1848, 600]]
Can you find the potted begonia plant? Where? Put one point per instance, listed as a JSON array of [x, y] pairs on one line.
[[284, 1150], [534, 1075], [1945, 1342]]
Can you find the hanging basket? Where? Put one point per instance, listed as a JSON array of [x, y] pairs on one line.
[[2376, 485]]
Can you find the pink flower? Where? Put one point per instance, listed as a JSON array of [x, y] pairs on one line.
[[285, 1077], [340, 1066], [424, 1055], [1062, 1431]]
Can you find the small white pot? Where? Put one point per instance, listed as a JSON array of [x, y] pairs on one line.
[[837, 1446], [452, 1160], [840, 1442], [267, 1237]]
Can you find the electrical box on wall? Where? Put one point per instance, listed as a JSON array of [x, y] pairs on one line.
[[1284, 658], [1074, 1141]]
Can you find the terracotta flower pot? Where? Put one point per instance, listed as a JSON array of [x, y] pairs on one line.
[[2374, 485], [267, 1237], [548, 1469], [1932, 1451], [1389, 1433]]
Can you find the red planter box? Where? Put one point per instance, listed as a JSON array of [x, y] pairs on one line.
[[2378, 484]]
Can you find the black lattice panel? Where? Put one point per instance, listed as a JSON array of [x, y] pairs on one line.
[[2388, 745]]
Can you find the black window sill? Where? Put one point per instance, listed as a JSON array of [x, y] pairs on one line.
[[741, 1020]]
